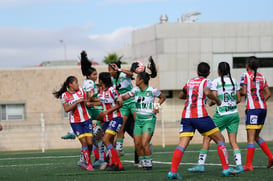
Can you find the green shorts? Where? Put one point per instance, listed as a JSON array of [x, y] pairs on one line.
[[144, 125], [94, 112], [229, 122], [128, 109]]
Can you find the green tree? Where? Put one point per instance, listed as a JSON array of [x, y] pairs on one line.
[[112, 57]]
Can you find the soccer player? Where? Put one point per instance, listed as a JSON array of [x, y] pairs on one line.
[[226, 115], [195, 116], [74, 100], [144, 96], [255, 88], [122, 82], [112, 118], [91, 90]]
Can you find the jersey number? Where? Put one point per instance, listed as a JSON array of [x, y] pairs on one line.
[[193, 101], [228, 97], [254, 94]]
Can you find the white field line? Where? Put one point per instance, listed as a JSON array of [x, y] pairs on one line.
[[126, 161], [75, 156]]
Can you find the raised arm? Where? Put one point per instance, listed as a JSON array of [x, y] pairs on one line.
[[127, 72]]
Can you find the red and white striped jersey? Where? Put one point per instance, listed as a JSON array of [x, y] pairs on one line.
[[255, 97], [80, 113], [195, 103], [108, 99]]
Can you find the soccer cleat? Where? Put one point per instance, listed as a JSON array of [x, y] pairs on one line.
[[172, 175], [86, 167], [239, 168], [103, 165], [138, 165], [270, 162], [197, 168], [89, 168], [248, 168], [147, 168], [97, 163], [81, 161], [121, 152], [112, 168], [81, 164], [68, 136], [229, 171], [121, 168]]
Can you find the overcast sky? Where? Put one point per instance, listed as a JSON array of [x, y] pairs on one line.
[[31, 30]]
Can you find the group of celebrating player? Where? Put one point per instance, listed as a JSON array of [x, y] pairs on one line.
[[118, 107]]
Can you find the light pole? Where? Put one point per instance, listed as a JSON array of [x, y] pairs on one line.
[[62, 42]]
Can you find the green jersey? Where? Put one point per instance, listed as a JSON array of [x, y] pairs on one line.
[[145, 101], [228, 96], [123, 84], [89, 85]]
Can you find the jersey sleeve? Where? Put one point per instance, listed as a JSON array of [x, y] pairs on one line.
[[114, 93], [132, 92], [64, 99], [88, 85], [243, 79], [265, 83], [156, 92], [213, 86], [237, 87], [83, 93], [208, 84]]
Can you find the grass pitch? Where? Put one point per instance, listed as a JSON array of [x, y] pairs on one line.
[[58, 165]]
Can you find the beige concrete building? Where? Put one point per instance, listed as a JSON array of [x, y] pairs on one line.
[[31, 116], [33, 119], [178, 47]]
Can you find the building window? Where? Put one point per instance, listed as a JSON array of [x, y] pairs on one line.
[[167, 93], [14, 112], [264, 62]]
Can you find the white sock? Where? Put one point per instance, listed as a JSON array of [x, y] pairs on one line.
[[119, 146], [237, 157], [202, 158], [101, 150], [148, 163], [71, 131]]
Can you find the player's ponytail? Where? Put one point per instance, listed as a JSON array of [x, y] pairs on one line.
[[152, 67], [145, 76], [224, 69], [86, 65], [253, 65], [58, 94]]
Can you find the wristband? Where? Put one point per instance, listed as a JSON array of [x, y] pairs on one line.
[[157, 105], [119, 70]]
